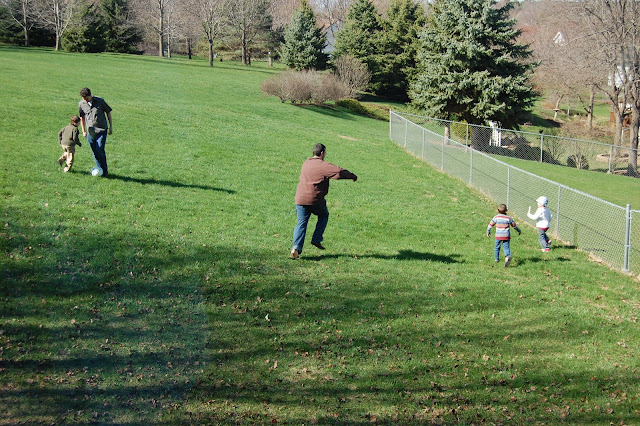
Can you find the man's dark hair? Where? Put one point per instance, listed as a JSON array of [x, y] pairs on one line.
[[85, 92], [318, 149]]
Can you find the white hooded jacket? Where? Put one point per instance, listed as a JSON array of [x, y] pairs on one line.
[[542, 216]]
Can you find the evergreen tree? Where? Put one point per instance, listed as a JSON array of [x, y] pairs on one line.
[[359, 36], [398, 47], [121, 35], [86, 31], [470, 66], [304, 42]]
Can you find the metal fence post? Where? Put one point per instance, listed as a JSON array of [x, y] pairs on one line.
[[508, 184], [558, 213], [627, 239], [542, 148], [471, 166], [406, 132], [423, 142], [442, 153], [466, 138]]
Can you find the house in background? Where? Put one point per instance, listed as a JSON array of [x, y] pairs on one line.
[[331, 32]]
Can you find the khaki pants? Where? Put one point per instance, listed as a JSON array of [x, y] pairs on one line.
[[67, 157]]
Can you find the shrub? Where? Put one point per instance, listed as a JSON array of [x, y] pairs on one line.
[[578, 162], [353, 73], [274, 87], [330, 88], [301, 87]]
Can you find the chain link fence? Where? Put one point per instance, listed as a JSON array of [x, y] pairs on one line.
[[576, 153], [596, 226]]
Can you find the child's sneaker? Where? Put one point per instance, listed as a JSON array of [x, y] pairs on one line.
[[545, 249], [507, 261]]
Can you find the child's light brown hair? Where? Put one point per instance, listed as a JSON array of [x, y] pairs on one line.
[[502, 208], [74, 119]]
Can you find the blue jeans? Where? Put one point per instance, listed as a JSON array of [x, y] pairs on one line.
[[304, 213], [542, 237], [505, 247], [97, 143]]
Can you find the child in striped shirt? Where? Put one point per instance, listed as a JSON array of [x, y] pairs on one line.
[[503, 223]]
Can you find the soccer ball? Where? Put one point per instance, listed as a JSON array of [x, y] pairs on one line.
[[96, 171]]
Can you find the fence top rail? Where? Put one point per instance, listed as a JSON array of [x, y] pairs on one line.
[[476, 152], [608, 145]]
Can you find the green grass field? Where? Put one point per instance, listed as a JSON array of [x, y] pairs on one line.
[[165, 293]]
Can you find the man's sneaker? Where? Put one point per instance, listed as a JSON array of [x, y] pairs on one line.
[[507, 261], [545, 249], [294, 254], [318, 245]]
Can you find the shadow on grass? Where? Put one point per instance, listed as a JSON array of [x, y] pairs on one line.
[[92, 331], [539, 259], [168, 183], [331, 111], [402, 255]]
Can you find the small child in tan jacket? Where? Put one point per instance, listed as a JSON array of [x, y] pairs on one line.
[[68, 138]]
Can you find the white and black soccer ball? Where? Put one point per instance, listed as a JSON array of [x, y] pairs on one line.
[[96, 171]]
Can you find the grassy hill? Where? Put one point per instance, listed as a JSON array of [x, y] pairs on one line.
[[165, 295]]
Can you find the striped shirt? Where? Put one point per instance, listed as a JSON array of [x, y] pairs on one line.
[[502, 222]]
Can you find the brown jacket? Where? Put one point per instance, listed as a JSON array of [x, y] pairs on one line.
[[314, 180], [68, 136]]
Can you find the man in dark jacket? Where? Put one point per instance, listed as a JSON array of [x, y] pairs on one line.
[[94, 113], [313, 186]]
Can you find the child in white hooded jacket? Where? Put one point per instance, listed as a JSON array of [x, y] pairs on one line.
[[542, 216]]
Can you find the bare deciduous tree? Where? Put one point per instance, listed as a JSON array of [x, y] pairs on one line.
[[613, 28], [54, 15], [282, 10], [23, 13], [209, 13], [333, 12], [154, 17], [245, 19]]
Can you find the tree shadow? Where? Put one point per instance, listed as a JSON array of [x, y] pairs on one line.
[[330, 111], [173, 184], [402, 255]]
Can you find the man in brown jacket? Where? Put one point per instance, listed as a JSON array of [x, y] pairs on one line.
[[313, 186]]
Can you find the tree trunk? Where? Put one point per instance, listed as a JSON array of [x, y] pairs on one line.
[[58, 23], [243, 53], [557, 108], [210, 52], [189, 47], [617, 136], [25, 24], [161, 35], [592, 95], [447, 133], [632, 167]]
